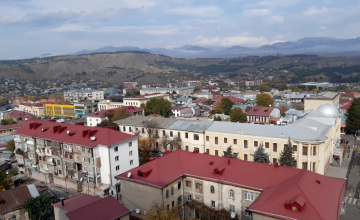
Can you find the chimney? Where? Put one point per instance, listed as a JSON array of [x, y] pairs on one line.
[[62, 202], [318, 181], [277, 165]]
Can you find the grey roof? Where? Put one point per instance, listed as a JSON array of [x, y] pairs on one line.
[[295, 96], [294, 112], [167, 123], [306, 129], [83, 90], [6, 138], [182, 99], [324, 95], [33, 190]]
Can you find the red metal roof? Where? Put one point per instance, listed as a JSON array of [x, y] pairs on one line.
[[260, 111], [20, 115], [78, 134], [104, 209], [76, 202], [277, 184], [3, 127]]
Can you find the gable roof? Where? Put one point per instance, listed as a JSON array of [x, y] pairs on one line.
[[260, 111], [14, 199], [76, 202], [276, 183], [73, 134]]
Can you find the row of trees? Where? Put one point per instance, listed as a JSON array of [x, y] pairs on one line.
[[226, 107]]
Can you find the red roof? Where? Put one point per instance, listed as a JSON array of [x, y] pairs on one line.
[[260, 111], [13, 199], [233, 99], [276, 183], [201, 101], [100, 114], [104, 209], [133, 109], [20, 115], [345, 107], [76, 202], [3, 127], [154, 115], [73, 134], [177, 108], [33, 105]]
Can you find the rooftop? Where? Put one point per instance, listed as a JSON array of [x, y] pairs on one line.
[[233, 99], [165, 89], [324, 95], [276, 183], [260, 111], [13, 199], [82, 90]]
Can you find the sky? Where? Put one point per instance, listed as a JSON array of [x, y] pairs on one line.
[[29, 28]]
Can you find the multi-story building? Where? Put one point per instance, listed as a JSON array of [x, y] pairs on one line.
[[263, 115], [129, 84], [74, 156], [174, 134], [183, 101], [34, 109], [138, 100], [96, 118], [59, 110], [85, 108], [131, 90], [180, 91], [251, 190], [314, 101], [110, 103], [80, 95], [193, 82]]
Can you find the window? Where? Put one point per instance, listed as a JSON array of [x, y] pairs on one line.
[[231, 194], [216, 140], [171, 133], [179, 135], [116, 149], [130, 153], [199, 187], [131, 162], [249, 196], [179, 199], [167, 193], [274, 161], [186, 135], [255, 144], [267, 144], [245, 157], [188, 183], [187, 148], [232, 208], [245, 143], [225, 140], [216, 153], [196, 137], [143, 130], [129, 129], [207, 138], [117, 167], [314, 151], [164, 133], [247, 213], [212, 204], [274, 147], [189, 197], [172, 190], [130, 144], [117, 158], [304, 165], [124, 128], [83, 149], [235, 141], [179, 185], [294, 148], [305, 151], [59, 172], [207, 151], [212, 189]]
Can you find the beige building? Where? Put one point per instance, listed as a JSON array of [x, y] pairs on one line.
[[138, 100], [313, 102], [34, 109], [183, 91]]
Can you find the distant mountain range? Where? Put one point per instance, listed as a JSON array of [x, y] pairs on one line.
[[323, 46]]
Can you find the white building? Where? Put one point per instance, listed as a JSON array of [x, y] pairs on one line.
[[79, 95], [184, 91], [138, 100]]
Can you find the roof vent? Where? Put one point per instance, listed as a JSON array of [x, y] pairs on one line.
[[44, 129], [219, 170], [93, 138], [211, 162], [277, 165], [144, 172], [168, 151], [318, 181]]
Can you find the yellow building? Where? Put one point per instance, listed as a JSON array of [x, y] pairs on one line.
[[58, 110]]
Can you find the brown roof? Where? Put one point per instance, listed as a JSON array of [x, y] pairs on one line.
[[13, 199], [260, 111]]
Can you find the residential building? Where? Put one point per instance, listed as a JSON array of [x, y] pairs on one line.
[[251, 190], [213, 83], [251, 94], [138, 100], [80, 95], [183, 91], [6, 130], [12, 200], [59, 110], [153, 85], [110, 103], [74, 156], [18, 101], [193, 82], [20, 116], [183, 101], [129, 84], [318, 84], [205, 95], [181, 111], [247, 82], [34, 109], [263, 115], [314, 101], [90, 207], [84, 108], [96, 118], [315, 137], [177, 84], [174, 134], [131, 90]]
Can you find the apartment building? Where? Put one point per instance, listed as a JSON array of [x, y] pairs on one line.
[[59, 110], [96, 118], [175, 134], [314, 101], [80, 95], [111, 103], [129, 84], [138, 100], [184, 91], [253, 191], [34, 109], [75, 157], [85, 108]]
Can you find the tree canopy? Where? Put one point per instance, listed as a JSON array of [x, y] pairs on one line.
[[353, 115], [229, 153], [10, 146], [226, 105], [159, 211], [197, 89], [145, 148], [287, 158], [38, 208], [260, 155], [158, 106], [264, 88], [217, 118], [264, 100], [209, 213], [8, 121], [5, 181], [237, 115]]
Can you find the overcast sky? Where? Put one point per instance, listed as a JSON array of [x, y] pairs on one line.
[[30, 28]]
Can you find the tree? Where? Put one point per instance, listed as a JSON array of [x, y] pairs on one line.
[[159, 106], [264, 88], [283, 109], [287, 158], [283, 87], [159, 211], [217, 118], [197, 89], [264, 100], [260, 155], [209, 213], [353, 115], [66, 102], [5, 181], [218, 109], [120, 113], [174, 93], [229, 153], [10, 146], [8, 121], [145, 148], [237, 115], [39, 208], [143, 105], [226, 105], [108, 124]]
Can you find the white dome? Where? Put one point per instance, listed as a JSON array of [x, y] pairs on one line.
[[329, 109]]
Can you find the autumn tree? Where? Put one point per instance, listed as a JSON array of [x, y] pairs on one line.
[[108, 124], [287, 158], [260, 155], [283, 109], [66, 102], [229, 153], [159, 211], [10, 146], [159, 106], [264, 88], [121, 113], [218, 109], [197, 89], [209, 213], [8, 121], [39, 207], [264, 100], [5, 181], [145, 148], [143, 105], [237, 115]]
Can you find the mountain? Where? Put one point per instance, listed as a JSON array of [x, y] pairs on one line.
[[110, 49], [195, 48]]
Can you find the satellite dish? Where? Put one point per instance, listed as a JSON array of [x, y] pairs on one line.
[[278, 122], [138, 211], [129, 175], [68, 132], [93, 138], [232, 214]]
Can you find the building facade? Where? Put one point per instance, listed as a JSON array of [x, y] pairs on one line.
[[142, 99], [84, 108], [77, 96], [180, 91], [34, 109], [314, 101], [59, 110]]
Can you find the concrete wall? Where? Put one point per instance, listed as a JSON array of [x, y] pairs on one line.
[[20, 214], [261, 217], [41, 177], [60, 214]]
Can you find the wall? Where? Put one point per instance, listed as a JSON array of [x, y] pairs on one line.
[[262, 217], [60, 214], [20, 214]]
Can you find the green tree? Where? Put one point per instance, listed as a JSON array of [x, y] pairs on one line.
[[197, 89], [4, 181], [8, 121], [264, 100], [353, 115], [39, 208], [158, 106], [120, 113], [209, 213], [237, 115], [264, 88], [108, 124], [10, 146], [226, 105], [260, 155], [283, 87], [217, 118], [218, 109], [229, 153], [287, 158]]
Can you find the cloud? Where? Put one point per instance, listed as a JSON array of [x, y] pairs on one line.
[[233, 41], [277, 3], [314, 11], [203, 11], [256, 12], [323, 27]]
